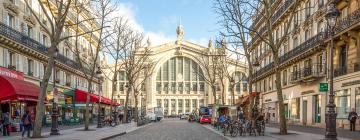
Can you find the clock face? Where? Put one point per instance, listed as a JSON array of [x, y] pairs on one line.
[[179, 77]]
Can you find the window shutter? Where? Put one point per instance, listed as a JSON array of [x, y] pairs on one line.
[[41, 70], [36, 68], [61, 77], [21, 59], [17, 61], [17, 23], [25, 66], [1, 57], [4, 15]]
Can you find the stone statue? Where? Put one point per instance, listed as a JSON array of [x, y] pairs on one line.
[[148, 42], [180, 32]]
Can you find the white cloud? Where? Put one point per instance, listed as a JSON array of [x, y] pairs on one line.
[[127, 10]]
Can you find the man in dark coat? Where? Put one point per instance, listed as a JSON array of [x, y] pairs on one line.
[[352, 118]]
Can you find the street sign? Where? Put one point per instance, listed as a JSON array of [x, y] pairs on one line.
[[323, 87]]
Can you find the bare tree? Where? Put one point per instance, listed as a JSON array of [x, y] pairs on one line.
[[135, 59], [57, 18], [237, 18], [88, 57], [139, 87], [210, 66], [118, 40]]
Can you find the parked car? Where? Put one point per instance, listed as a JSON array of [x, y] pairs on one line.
[[205, 119], [184, 116], [151, 116]]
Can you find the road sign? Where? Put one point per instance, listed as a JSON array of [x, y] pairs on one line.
[[323, 87]]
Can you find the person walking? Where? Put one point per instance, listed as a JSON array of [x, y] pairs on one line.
[[26, 120], [352, 118], [6, 123]]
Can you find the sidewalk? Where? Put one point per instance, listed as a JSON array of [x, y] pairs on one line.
[[79, 134], [271, 134]]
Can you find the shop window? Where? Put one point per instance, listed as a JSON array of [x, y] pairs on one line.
[[357, 99], [342, 102], [295, 108]]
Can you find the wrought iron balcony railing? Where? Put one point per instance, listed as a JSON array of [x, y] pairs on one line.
[[348, 21], [340, 71], [281, 10], [33, 44], [310, 43], [309, 73]]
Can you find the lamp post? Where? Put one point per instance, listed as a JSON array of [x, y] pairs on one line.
[[54, 114], [331, 17], [99, 123]]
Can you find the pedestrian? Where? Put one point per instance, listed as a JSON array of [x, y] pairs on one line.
[[352, 118], [26, 120], [6, 124], [121, 116], [241, 117]]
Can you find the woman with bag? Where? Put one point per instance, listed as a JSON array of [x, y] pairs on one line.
[[26, 120], [6, 124]]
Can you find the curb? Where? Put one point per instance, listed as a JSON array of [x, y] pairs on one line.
[[216, 132], [109, 137], [123, 133]]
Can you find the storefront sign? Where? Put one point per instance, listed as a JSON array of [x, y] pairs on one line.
[[307, 92], [11, 73], [350, 83], [82, 105], [323, 87]]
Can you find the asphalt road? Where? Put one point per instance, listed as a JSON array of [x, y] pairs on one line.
[[171, 129]]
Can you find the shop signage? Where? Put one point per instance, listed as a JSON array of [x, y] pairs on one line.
[[350, 83], [82, 105], [323, 87], [11, 73]]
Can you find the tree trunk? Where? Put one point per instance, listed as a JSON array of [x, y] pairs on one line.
[[87, 108], [40, 107], [213, 89], [223, 93], [126, 105], [233, 94], [136, 119], [283, 128], [112, 95], [250, 87]]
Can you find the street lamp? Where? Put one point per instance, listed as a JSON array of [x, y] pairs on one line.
[[54, 114], [331, 18], [98, 75]]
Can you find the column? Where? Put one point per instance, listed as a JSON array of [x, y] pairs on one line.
[[169, 106], [191, 107], [197, 103], [176, 106], [162, 105], [183, 105]]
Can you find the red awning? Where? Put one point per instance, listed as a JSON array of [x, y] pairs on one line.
[[80, 97], [15, 89]]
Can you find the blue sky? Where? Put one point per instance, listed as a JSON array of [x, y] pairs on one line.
[[159, 18]]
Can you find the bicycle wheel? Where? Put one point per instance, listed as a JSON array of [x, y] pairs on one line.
[[234, 131]]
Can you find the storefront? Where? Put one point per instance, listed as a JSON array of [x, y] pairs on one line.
[[16, 96]]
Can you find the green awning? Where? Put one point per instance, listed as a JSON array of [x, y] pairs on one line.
[[68, 92]]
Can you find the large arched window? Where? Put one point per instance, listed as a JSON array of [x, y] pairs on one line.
[[179, 74]]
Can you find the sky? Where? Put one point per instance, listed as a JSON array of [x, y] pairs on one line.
[[158, 19]]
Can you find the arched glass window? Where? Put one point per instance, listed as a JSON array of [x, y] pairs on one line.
[[179, 74]]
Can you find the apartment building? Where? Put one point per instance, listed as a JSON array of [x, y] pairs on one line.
[[304, 62], [23, 59]]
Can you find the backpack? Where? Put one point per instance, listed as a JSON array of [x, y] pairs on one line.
[[26, 120]]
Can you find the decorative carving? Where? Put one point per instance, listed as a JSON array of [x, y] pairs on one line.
[[12, 8], [30, 20], [180, 32]]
